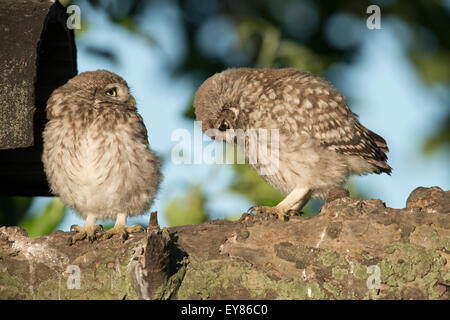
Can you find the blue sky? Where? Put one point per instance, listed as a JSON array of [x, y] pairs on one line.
[[382, 86]]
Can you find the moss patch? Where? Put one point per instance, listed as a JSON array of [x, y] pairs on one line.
[[413, 268], [238, 279]]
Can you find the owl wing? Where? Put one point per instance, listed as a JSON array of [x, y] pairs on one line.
[[140, 133], [323, 115], [358, 141]]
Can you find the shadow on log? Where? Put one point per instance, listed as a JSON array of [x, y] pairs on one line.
[[355, 249]]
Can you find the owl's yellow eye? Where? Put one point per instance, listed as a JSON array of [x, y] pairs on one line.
[[112, 92], [224, 125]]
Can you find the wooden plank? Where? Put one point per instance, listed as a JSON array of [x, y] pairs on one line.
[[37, 55]]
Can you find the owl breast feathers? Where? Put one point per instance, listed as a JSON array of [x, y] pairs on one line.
[[321, 142]]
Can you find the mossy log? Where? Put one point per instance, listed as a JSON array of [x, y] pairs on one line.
[[354, 249]]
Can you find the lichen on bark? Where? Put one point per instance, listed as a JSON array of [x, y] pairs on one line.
[[334, 255]]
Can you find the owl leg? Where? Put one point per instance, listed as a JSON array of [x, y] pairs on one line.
[[121, 228], [294, 201], [88, 230]]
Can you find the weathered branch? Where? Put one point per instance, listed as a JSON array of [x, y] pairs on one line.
[[339, 254]]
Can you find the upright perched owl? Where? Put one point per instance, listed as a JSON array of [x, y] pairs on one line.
[[320, 141], [96, 154]]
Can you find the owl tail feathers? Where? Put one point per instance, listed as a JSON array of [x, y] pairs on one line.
[[381, 166], [379, 141], [381, 162]]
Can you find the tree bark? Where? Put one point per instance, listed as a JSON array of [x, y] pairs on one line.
[[354, 249]]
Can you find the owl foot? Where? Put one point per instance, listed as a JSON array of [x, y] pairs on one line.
[[281, 214], [122, 230], [88, 232]]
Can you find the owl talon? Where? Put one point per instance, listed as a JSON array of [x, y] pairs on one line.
[[80, 235], [91, 238], [84, 232], [76, 228], [280, 214], [251, 210], [123, 231], [293, 213], [135, 228]]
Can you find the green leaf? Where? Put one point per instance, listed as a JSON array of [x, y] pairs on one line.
[[189, 209], [270, 39], [292, 54], [46, 221], [248, 183], [434, 67], [441, 138], [190, 111]]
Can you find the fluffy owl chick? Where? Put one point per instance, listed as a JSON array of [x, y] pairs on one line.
[[96, 154], [319, 141]]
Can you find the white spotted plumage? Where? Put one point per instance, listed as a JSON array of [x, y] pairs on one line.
[[321, 140], [96, 153]]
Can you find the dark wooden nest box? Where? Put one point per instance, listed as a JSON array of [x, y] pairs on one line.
[[37, 55]]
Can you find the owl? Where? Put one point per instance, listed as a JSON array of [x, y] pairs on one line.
[[96, 154], [317, 142]]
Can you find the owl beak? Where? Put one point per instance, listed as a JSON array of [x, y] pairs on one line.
[[133, 101]]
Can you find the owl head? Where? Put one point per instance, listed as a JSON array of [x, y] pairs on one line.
[[88, 90], [216, 104]]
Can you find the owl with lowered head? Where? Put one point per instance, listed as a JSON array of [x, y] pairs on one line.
[[320, 142], [96, 154]]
